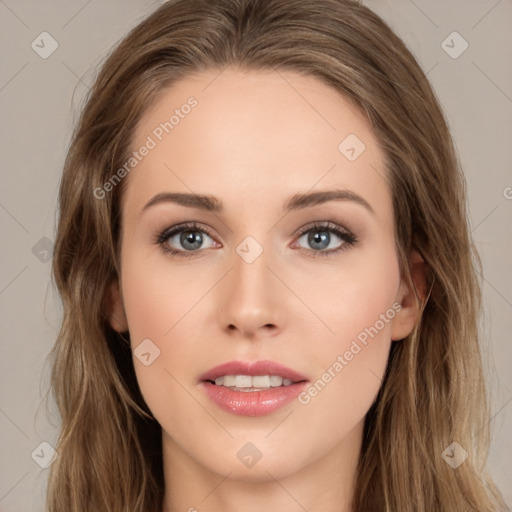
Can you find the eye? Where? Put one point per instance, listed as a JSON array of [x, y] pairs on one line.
[[189, 238], [186, 240], [320, 237]]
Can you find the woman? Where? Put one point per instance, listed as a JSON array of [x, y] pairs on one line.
[[260, 368]]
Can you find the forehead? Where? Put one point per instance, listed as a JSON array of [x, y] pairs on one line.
[[241, 135]]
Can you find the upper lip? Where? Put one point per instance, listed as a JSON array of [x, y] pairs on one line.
[[252, 368]]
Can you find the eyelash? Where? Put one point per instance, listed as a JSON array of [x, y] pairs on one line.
[[348, 238]]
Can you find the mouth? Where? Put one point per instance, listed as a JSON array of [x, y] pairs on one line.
[[252, 388]]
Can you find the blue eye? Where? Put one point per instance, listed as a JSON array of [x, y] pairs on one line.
[[191, 237], [319, 237]]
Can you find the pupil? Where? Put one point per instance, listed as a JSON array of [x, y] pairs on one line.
[[319, 238], [191, 237]]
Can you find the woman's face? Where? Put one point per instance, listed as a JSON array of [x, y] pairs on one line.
[[254, 279]]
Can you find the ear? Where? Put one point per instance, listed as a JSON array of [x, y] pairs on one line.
[[410, 299], [115, 308]]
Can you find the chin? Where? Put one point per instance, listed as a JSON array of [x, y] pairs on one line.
[[266, 469]]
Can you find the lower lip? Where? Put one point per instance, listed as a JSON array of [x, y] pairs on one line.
[[253, 403]]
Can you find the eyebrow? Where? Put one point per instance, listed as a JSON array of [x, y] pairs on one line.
[[294, 203]]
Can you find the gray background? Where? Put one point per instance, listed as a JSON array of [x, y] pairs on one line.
[[39, 102]]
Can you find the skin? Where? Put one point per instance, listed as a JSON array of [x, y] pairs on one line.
[[253, 141]]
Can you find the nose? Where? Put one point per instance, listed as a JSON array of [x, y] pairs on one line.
[[250, 305]]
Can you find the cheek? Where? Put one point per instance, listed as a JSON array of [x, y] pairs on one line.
[[358, 306], [337, 402], [350, 377], [157, 296], [352, 299], [163, 305]]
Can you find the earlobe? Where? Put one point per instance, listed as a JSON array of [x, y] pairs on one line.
[[410, 298], [115, 308]]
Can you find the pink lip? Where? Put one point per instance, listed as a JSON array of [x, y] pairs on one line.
[[252, 403]]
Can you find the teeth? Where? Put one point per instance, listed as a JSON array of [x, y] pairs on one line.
[[261, 381], [243, 381], [230, 380], [248, 382], [275, 380]]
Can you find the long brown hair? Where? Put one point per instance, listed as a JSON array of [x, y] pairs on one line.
[[433, 393]]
